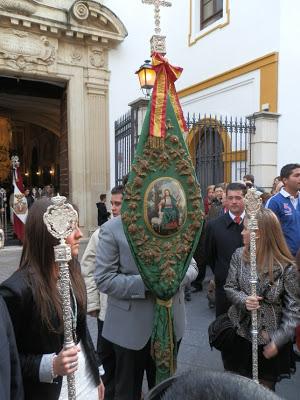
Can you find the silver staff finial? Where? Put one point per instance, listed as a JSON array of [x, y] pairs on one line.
[[15, 162], [60, 218], [252, 202], [158, 42]]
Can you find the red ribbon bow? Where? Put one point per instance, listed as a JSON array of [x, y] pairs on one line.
[[166, 75]]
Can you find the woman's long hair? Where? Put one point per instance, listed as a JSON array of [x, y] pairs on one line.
[[38, 262], [271, 247]]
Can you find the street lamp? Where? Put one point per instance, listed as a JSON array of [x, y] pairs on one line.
[[146, 76]]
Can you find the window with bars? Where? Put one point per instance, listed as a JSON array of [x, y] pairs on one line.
[[210, 11]]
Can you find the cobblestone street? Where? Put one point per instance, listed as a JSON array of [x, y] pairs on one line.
[[194, 350]]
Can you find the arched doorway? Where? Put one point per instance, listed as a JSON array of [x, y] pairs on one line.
[[220, 148], [34, 109], [209, 144]]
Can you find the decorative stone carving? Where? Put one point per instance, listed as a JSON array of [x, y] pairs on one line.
[[97, 57], [76, 56], [80, 11], [23, 50], [19, 6]]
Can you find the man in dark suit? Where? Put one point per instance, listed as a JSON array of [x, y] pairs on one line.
[[223, 237], [11, 387], [129, 317], [103, 214]]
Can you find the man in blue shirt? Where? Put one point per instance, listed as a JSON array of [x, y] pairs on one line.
[[286, 205]]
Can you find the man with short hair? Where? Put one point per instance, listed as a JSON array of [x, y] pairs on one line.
[[223, 237], [96, 301], [129, 319], [103, 214], [216, 205], [249, 182], [285, 205]]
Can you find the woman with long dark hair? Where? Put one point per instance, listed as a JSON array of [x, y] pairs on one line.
[[34, 304], [277, 302]]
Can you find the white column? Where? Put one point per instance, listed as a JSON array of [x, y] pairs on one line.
[[263, 161], [97, 148], [76, 145]]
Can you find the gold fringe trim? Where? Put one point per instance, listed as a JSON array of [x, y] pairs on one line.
[[156, 142]]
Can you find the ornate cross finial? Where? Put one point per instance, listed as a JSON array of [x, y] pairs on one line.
[[158, 42], [157, 4], [15, 162]]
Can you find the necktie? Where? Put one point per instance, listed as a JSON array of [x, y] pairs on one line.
[[237, 219]]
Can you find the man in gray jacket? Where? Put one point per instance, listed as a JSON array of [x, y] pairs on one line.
[[130, 309]]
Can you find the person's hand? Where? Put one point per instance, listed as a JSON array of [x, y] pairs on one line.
[[252, 302], [66, 361], [270, 350], [101, 391], [93, 314]]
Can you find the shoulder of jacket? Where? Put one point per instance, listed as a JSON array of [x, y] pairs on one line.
[[17, 284], [238, 253]]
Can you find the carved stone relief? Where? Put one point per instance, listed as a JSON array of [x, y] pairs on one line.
[[76, 56], [80, 11], [24, 50], [19, 6], [97, 57]]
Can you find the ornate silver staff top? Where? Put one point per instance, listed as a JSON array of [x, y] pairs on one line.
[[61, 219], [252, 206], [15, 162], [158, 42]]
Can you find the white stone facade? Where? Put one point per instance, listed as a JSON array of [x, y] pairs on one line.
[[68, 41]]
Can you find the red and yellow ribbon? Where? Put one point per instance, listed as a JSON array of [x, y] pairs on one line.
[[166, 75]]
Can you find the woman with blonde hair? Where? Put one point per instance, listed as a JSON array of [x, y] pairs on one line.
[[277, 302]]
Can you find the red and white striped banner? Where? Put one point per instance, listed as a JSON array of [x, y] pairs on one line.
[[20, 206]]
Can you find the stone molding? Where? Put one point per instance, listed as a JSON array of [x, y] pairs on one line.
[[96, 89], [22, 50], [85, 20], [20, 6]]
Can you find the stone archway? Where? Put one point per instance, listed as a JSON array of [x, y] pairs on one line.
[[68, 41]]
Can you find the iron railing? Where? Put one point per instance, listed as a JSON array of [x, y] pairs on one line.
[[220, 147]]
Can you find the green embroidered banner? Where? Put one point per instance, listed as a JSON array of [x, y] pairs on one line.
[[162, 215]]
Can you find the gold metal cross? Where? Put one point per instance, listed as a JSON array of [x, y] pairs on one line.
[[157, 4]]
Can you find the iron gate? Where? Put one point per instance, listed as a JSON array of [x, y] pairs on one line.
[[220, 147]]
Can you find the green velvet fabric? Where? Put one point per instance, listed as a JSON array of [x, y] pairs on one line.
[[162, 215]]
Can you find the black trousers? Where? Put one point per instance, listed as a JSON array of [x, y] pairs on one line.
[[222, 303], [125, 380]]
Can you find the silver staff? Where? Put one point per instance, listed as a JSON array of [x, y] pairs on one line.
[[253, 204], [3, 217], [60, 219]]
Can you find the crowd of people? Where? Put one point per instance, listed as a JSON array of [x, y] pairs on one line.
[[107, 285]]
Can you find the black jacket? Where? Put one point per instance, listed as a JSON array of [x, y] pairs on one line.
[[103, 214], [223, 237], [11, 387], [34, 339]]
